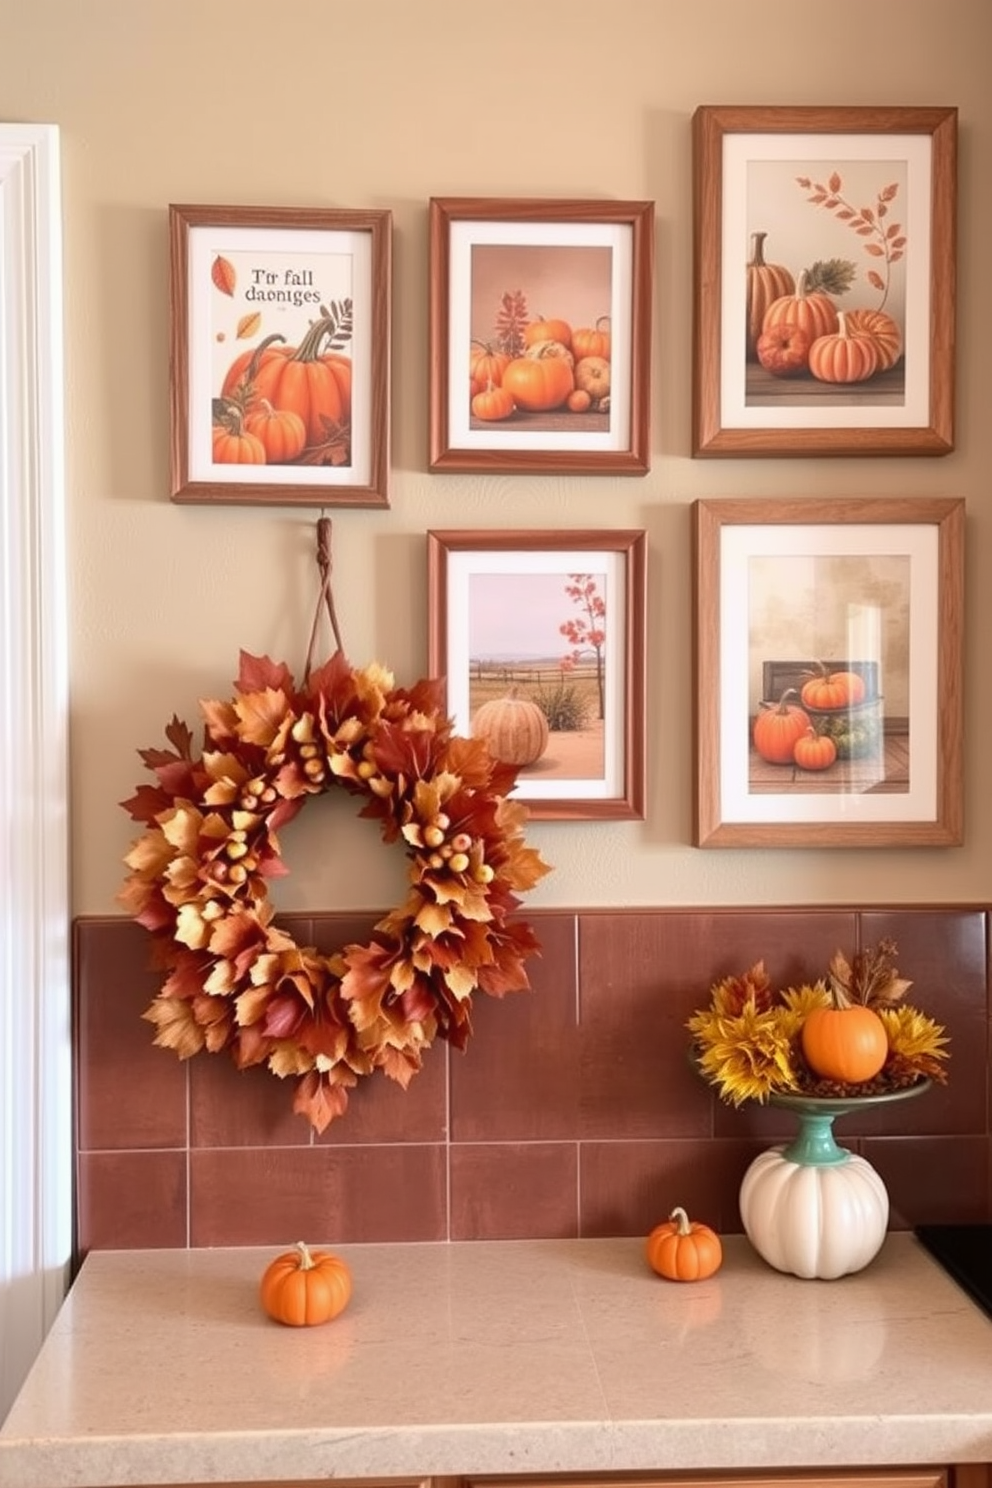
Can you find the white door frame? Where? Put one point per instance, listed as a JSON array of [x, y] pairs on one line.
[[35, 1033]]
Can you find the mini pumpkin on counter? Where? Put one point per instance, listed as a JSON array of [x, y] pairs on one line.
[[684, 1250], [305, 1287]]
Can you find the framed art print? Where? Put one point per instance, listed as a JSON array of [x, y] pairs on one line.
[[540, 637], [280, 324], [828, 639], [540, 335], [824, 267]]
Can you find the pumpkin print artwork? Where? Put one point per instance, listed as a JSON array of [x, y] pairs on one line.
[[825, 311], [541, 358], [827, 715], [537, 670], [281, 379]]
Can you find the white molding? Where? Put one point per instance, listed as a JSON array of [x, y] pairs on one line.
[[35, 1034]]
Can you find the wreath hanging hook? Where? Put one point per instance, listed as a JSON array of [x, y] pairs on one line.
[[325, 595]]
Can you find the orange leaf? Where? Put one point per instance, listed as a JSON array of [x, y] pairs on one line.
[[175, 1026], [223, 275], [319, 1101], [260, 715]]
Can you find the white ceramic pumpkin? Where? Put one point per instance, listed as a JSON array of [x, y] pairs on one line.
[[814, 1220]]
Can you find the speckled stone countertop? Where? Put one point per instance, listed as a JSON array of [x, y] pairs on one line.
[[516, 1357]]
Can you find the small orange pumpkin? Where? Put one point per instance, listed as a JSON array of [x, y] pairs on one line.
[[486, 365], [593, 340], [777, 727], [833, 690], [846, 1044], [811, 311], [493, 404], [844, 355], [880, 328], [814, 751], [236, 447], [548, 330], [303, 1287], [282, 432], [684, 1250]]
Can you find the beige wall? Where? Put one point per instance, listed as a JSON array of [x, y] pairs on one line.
[[384, 103]]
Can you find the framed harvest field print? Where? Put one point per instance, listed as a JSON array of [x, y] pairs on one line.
[[828, 643], [279, 364], [540, 638], [824, 267], [540, 335]]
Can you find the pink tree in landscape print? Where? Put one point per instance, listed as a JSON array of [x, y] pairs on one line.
[[587, 631]]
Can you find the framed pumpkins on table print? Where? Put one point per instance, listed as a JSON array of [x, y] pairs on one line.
[[540, 335]]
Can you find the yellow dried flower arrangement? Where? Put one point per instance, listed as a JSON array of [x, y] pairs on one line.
[[752, 1041]]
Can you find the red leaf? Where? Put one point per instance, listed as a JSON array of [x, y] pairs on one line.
[[146, 803], [187, 977], [223, 275], [256, 673], [180, 736]]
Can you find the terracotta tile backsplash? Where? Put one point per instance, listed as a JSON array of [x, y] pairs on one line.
[[573, 1110]]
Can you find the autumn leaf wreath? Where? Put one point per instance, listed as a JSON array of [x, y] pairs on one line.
[[199, 876]]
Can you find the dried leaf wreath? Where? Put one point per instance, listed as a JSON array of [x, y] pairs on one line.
[[200, 871]]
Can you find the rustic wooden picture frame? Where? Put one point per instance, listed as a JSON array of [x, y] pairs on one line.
[[280, 355], [506, 270]]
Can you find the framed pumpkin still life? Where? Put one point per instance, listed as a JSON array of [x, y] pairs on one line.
[[824, 263], [279, 355], [540, 638], [540, 335], [828, 643]]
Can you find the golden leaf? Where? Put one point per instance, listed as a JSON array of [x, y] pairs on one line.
[[175, 1026], [260, 715], [287, 1058], [182, 828], [460, 981], [191, 928], [221, 718], [150, 854], [249, 325], [222, 980], [433, 919]]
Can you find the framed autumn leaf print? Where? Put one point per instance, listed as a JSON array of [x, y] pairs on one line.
[[824, 265], [540, 335], [280, 326]]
